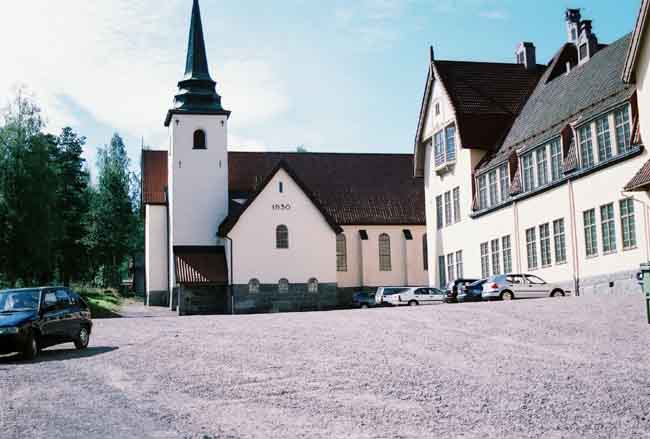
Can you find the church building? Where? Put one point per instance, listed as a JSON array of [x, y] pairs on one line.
[[242, 232]]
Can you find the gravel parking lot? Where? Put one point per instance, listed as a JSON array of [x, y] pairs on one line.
[[552, 368]]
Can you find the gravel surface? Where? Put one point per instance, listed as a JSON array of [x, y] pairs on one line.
[[551, 368]]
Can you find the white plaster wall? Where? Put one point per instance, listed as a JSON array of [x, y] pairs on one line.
[[156, 247], [435, 122], [407, 259], [643, 85], [312, 242], [198, 179]]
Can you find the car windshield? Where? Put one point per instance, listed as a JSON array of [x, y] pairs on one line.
[[18, 300]]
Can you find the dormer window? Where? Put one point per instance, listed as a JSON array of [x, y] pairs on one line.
[[199, 139], [583, 51]]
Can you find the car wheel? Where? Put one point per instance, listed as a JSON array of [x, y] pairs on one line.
[[557, 293], [82, 339], [507, 295], [30, 350], [413, 303]]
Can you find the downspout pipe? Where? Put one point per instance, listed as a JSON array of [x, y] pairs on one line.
[[232, 276], [169, 262]]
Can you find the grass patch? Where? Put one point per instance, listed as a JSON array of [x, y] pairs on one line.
[[103, 303]]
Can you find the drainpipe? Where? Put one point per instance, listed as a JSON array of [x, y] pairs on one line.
[[406, 265], [574, 240], [232, 277], [169, 262], [515, 209]]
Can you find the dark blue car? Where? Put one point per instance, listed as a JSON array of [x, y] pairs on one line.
[[364, 299], [32, 319], [472, 292]]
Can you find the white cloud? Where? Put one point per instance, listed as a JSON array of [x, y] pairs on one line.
[[373, 22], [120, 61]]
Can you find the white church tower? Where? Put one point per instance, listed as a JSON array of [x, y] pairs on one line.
[[198, 156]]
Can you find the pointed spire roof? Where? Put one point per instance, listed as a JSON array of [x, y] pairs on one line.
[[196, 92]]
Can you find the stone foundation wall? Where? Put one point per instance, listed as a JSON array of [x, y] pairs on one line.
[[158, 298], [202, 300], [298, 298], [622, 282]]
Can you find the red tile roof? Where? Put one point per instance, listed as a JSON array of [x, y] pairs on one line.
[[200, 265], [641, 180], [154, 177], [352, 188]]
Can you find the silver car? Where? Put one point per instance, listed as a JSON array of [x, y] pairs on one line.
[[519, 286]]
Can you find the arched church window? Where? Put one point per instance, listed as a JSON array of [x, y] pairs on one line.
[[341, 253], [199, 139], [253, 286], [283, 286], [312, 286], [384, 253], [282, 237]]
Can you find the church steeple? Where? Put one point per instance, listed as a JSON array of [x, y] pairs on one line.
[[196, 92]]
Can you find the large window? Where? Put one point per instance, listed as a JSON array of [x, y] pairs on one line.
[[439, 220], [623, 136], [586, 146], [459, 264], [442, 272], [482, 192], [591, 240], [529, 172], [545, 244], [628, 224], [341, 253], [603, 138], [496, 263], [199, 139], [608, 227], [556, 160], [485, 260], [456, 204], [425, 252], [506, 248], [439, 148], [492, 188], [504, 182], [450, 134], [559, 241], [450, 267], [531, 248], [542, 166], [281, 237], [384, 253], [448, 217]]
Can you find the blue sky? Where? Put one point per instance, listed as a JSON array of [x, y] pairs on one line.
[[343, 76]]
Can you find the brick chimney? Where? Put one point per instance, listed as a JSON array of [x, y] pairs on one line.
[[526, 55]]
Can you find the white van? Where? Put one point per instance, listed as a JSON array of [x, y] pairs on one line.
[[411, 296]]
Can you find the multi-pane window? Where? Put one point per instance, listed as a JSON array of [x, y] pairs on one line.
[[496, 264], [341, 253], [531, 248], [456, 204], [506, 248], [485, 260], [450, 134], [603, 138], [442, 272], [556, 160], [482, 192], [384, 253], [529, 172], [504, 182], [591, 240], [559, 241], [450, 267], [459, 264], [425, 252], [628, 224], [545, 244], [439, 220], [439, 148], [542, 166], [448, 218], [608, 227], [492, 188], [586, 146], [281, 237], [622, 119]]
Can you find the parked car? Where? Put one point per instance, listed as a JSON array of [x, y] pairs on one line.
[[454, 287], [32, 319], [519, 286], [414, 296], [364, 299], [472, 292]]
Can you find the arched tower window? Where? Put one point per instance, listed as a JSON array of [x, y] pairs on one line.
[[199, 139], [341, 253], [312, 286], [384, 252], [282, 237], [283, 286]]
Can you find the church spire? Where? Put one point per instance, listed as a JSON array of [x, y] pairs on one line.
[[196, 92]]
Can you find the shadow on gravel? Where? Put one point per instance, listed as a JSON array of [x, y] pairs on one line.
[[57, 355]]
